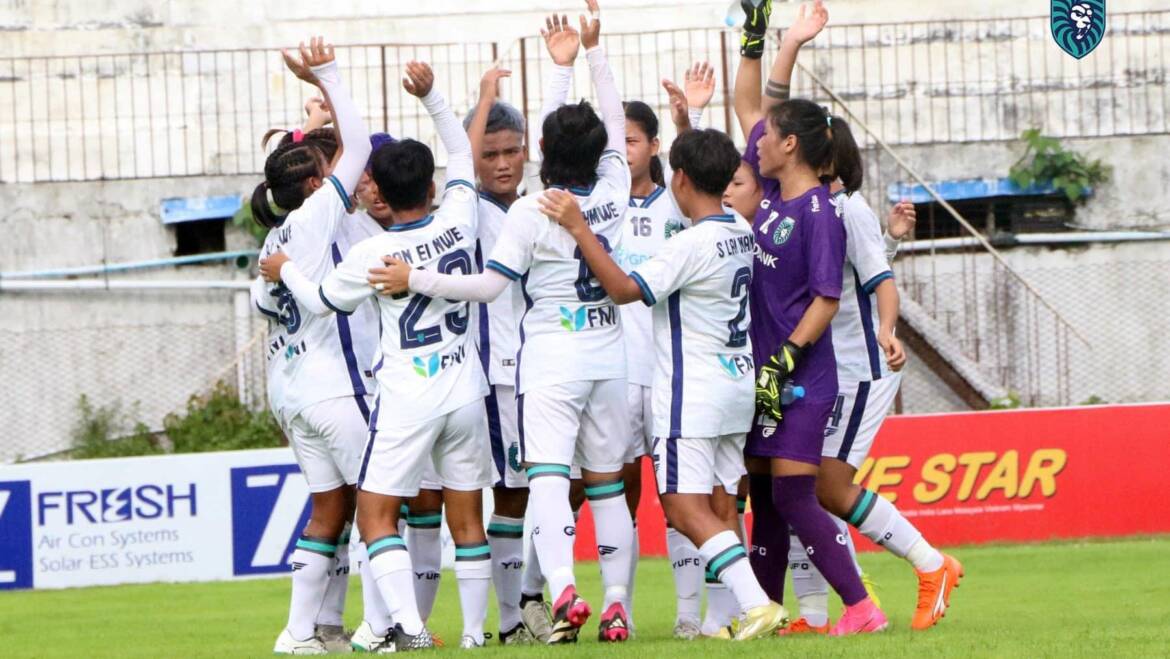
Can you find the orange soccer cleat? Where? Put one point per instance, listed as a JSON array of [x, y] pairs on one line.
[[801, 626], [934, 592]]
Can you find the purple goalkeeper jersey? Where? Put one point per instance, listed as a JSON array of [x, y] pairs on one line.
[[800, 254]]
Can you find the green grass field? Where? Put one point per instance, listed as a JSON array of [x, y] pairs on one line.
[[1089, 598]]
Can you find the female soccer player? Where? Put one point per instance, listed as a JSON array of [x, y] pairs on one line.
[[571, 365], [316, 385]]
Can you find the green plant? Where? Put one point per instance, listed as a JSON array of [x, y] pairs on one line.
[[243, 221], [1094, 400], [1009, 402], [218, 421], [1070, 172], [100, 432]]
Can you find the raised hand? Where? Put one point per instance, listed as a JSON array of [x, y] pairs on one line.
[[562, 207], [591, 28], [810, 20], [419, 79], [489, 85], [678, 106], [561, 39], [700, 85], [317, 53], [901, 221]]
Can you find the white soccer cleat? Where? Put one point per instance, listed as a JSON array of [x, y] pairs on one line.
[[335, 639], [687, 630], [286, 644], [468, 642], [364, 639]]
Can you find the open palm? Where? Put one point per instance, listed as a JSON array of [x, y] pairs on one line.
[[561, 39]]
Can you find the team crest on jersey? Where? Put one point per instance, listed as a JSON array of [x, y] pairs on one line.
[[736, 366], [784, 230], [1077, 25], [673, 227]]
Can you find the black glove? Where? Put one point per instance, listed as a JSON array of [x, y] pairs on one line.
[[773, 376], [755, 25]]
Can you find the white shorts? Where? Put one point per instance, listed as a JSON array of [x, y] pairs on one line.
[[327, 439], [504, 435], [430, 478], [858, 414], [397, 456], [583, 423], [641, 422], [698, 466]]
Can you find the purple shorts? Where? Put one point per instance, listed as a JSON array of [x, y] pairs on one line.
[[799, 436]]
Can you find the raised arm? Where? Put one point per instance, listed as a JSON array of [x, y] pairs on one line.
[[750, 71], [609, 101], [489, 90], [562, 42], [317, 66], [420, 82], [686, 107], [562, 207], [808, 24]]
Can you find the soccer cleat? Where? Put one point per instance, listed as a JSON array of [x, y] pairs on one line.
[[569, 614], [615, 626], [761, 621], [364, 639], [518, 635], [722, 634], [934, 592], [871, 589], [801, 626], [534, 612], [861, 618], [286, 644], [469, 642], [687, 630], [334, 637], [399, 641]]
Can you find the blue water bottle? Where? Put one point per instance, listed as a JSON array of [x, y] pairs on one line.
[[790, 393]]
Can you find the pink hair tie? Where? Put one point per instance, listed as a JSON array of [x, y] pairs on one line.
[[298, 136]]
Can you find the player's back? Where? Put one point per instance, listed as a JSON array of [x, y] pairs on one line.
[[428, 364], [570, 329]]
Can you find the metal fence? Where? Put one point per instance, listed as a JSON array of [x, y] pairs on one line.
[[166, 114]]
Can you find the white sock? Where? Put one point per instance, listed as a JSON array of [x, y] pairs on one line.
[[473, 574], [726, 559], [390, 565], [687, 567], [843, 528], [615, 538], [506, 537], [635, 548], [553, 528], [374, 609], [426, 557], [311, 562], [877, 519], [810, 587], [721, 607], [333, 608], [532, 583]]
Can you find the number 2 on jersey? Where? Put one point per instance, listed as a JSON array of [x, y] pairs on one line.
[[456, 322], [587, 290], [739, 288]]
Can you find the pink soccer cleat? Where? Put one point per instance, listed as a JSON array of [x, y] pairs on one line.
[[614, 627], [569, 613], [861, 618]]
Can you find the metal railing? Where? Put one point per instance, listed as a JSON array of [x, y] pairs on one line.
[[167, 114]]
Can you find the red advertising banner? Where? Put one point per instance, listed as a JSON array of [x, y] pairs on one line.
[[1019, 475]]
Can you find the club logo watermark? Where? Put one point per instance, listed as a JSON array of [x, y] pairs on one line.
[[1077, 25]]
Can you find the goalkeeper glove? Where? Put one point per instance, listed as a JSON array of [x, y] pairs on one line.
[[755, 25], [773, 376]]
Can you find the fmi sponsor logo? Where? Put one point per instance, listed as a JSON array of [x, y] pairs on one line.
[[736, 366], [586, 318], [429, 366], [270, 506]]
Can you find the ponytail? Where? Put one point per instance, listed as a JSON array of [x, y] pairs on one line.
[[656, 173], [847, 164], [825, 142], [262, 212], [285, 172]]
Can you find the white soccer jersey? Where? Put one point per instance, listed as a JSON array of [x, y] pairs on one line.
[[855, 327], [313, 358], [497, 321], [649, 222], [428, 365], [569, 330], [704, 383]]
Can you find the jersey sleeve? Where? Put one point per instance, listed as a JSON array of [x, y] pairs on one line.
[[347, 286], [824, 246], [864, 247], [315, 225], [512, 254], [460, 207], [677, 264]]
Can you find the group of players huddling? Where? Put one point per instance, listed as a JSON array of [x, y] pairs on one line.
[[420, 353]]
